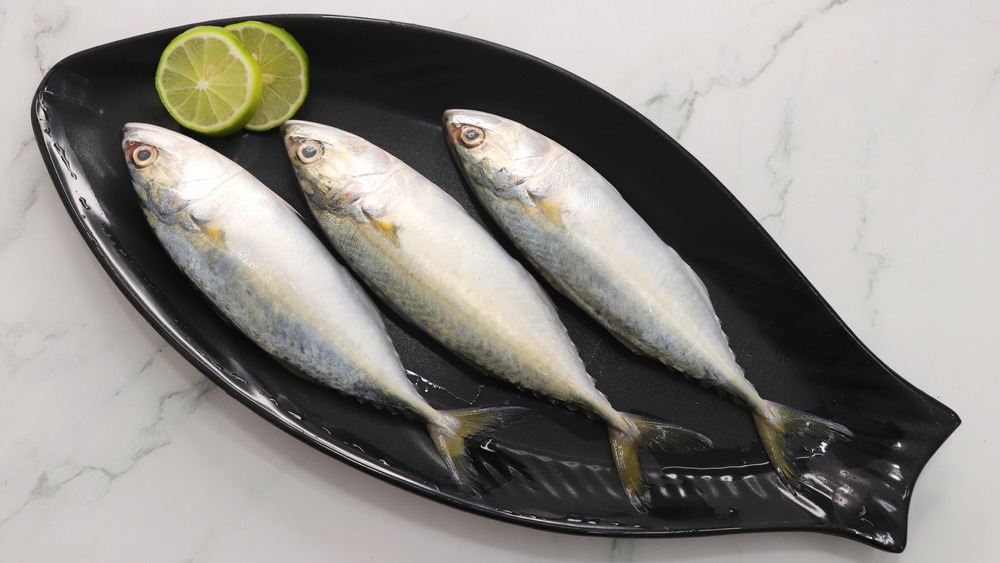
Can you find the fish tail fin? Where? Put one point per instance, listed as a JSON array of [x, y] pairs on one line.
[[450, 442], [776, 423], [647, 433]]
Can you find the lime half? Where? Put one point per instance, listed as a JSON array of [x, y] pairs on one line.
[[208, 81], [284, 68]]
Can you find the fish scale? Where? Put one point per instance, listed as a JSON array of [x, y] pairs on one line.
[[577, 230], [420, 251], [270, 276]]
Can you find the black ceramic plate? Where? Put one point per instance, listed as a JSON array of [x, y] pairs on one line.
[[389, 83]]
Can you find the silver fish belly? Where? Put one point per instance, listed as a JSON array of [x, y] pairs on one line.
[[266, 272], [422, 253], [419, 250], [578, 231]]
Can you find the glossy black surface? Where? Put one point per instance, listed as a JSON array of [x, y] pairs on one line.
[[389, 83]]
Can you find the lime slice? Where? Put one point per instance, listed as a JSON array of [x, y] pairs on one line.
[[284, 68], [208, 81]]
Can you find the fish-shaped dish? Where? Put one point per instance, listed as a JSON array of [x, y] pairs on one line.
[[390, 84]]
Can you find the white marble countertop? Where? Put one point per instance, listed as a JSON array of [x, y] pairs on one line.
[[863, 135]]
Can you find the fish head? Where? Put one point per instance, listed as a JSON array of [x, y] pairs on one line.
[[169, 170], [497, 154], [335, 168]]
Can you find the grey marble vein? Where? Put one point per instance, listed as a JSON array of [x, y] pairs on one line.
[[21, 193], [96, 415], [97, 480], [875, 262], [17, 336], [49, 22], [777, 165], [681, 106]]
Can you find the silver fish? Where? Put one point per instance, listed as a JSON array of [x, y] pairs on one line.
[[268, 274], [420, 251], [579, 232]]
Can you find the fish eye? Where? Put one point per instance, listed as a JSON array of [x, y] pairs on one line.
[[144, 155], [471, 136], [309, 152]]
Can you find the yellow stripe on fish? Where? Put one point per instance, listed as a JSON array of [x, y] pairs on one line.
[[248, 251], [603, 256], [447, 275]]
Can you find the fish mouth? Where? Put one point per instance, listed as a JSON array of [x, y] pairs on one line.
[[453, 130], [292, 143], [129, 146], [130, 138], [135, 135], [457, 121], [449, 123], [292, 138], [454, 120], [296, 133]]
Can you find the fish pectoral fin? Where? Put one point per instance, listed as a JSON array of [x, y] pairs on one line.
[[387, 228], [549, 207], [211, 232]]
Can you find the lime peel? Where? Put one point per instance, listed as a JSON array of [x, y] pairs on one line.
[[208, 81], [284, 71]]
